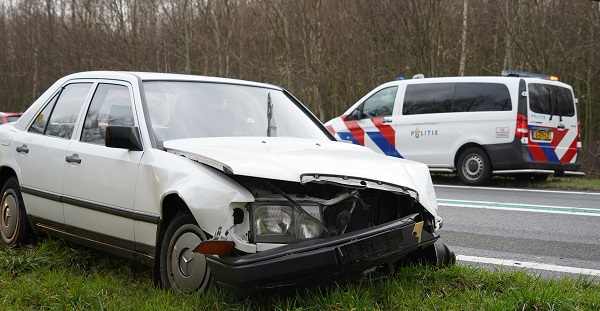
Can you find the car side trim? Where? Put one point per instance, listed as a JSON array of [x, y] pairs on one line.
[[129, 249], [108, 209]]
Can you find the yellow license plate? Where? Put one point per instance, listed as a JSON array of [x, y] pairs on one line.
[[542, 135]]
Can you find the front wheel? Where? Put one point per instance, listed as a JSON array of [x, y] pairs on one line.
[[474, 167], [180, 268], [14, 226]]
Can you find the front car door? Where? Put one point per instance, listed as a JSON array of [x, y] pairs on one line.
[[99, 187]]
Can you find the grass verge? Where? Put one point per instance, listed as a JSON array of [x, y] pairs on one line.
[[56, 275]]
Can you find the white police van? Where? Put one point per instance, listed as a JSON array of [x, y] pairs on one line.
[[518, 123]]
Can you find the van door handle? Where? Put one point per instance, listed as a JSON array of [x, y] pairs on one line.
[[74, 158], [23, 149], [561, 126], [386, 121]]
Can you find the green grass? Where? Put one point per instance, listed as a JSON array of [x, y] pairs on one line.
[[557, 183], [56, 275]]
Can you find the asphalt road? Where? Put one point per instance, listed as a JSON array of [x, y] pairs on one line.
[[551, 229]]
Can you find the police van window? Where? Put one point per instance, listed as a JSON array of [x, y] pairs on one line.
[[551, 100], [380, 104], [481, 97], [428, 98]]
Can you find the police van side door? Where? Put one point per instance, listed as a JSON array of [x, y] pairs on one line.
[[370, 123], [424, 129]]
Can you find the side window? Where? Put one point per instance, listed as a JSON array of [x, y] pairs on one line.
[[59, 116], [551, 100], [481, 97], [380, 104], [39, 125], [111, 105], [428, 98]]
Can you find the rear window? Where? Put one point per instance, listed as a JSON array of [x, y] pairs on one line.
[[551, 100], [455, 97]]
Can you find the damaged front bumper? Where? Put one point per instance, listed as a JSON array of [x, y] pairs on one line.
[[344, 256]]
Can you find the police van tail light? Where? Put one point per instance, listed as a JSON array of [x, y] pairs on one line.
[[579, 134], [522, 130]]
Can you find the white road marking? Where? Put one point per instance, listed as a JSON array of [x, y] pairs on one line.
[[529, 265], [520, 190], [522, 207]]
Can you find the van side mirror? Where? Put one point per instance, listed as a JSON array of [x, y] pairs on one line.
[[124, 137], [355, 115]]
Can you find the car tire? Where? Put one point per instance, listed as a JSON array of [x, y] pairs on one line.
[[180, 268], [14, 226], [474, 167], [437, 254]]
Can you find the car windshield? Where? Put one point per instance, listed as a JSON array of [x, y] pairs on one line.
[[201, 109]]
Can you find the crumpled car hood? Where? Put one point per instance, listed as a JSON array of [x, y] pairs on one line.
[[289, 159]]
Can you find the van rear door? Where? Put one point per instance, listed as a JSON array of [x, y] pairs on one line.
[[553, 129]]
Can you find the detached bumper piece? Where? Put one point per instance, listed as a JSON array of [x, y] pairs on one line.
[[345, 256]]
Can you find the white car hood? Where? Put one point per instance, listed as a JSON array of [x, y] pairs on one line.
[[292, 159]]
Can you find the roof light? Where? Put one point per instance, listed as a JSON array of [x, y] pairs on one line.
[[527, 74], [419, 76]]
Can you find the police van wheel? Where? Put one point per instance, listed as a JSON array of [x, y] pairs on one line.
[[474, 167]]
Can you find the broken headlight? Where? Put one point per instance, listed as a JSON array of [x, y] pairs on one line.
[[276, 223]]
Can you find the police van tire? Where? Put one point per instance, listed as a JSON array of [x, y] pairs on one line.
[[474, 167]]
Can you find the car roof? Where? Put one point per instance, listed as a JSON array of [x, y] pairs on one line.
[[158, 76]]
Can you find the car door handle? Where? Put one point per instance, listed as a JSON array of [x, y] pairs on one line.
[[23, 149], [560, 126], [74, 158], [386, 121]]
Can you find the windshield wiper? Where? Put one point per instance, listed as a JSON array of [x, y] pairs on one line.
[[271, 126]]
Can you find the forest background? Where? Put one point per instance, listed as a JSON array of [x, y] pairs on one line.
[[328, 53]]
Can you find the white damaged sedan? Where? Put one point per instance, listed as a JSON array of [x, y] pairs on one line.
[[210, 179]]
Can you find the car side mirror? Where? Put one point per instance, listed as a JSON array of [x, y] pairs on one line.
[[355, 115], [124, 137]]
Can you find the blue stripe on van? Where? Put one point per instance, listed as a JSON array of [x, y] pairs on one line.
[[348, 136], [384, 144], [549, 152]]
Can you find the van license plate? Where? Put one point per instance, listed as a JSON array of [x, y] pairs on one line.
[[542, 135]]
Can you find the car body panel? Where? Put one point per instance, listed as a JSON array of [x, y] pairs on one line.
[[40, 170], [290, 158]]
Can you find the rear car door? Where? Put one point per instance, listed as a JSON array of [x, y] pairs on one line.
[[552, 123], [100, 182], [42, 148]]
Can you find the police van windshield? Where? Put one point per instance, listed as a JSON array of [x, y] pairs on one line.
[[551, 100]]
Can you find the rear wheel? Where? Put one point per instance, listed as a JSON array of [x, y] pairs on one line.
[[180, 268], [14, 226], [474, 167]]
